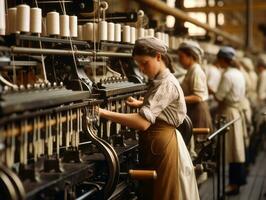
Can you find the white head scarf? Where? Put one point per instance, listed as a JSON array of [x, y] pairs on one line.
[[153, 43], [194, 48]]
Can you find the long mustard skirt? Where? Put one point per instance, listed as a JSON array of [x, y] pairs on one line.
[[159, 151]]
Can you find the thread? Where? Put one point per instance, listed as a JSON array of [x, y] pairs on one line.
[[141, 32], [88, 31], [52, 23], [35, 20], [151, 32], [44, 29], [73, 26], [132, 35], [23, 18], [95, 32], [118, 32], [64, 26], [126, 34], [111, 31], [11, 20], [2, 18], [103, 30], [80, 32]]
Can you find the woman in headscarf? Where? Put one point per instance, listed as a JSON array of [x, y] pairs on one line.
[[194, 85], [230, 94], [161, 112]]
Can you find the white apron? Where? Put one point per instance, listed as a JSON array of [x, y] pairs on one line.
[[187, 180], [237, 134]]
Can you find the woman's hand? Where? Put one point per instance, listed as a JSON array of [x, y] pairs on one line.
[[132, 102]]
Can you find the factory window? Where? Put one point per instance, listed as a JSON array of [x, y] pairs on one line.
[[195, 30], [194, 3], [211, 2], [192, 29], [212, 20], [220, 19], [170, 20]]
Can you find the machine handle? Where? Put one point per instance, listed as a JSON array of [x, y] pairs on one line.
[[142, 174], [201, 131]]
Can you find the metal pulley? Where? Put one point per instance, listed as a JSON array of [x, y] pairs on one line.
[[11, 186]]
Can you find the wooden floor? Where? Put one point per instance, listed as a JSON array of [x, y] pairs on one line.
[[255, 189]]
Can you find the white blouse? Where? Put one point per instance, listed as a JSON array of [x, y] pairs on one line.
[[164, 100], [195, 82], [232, 86], [262, 86]]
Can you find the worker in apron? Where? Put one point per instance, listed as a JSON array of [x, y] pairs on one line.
[[194, 85], [161, 111], [230, 94]]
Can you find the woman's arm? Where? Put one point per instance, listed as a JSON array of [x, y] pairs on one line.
[[132, 120], [132, 102], [192, 99]]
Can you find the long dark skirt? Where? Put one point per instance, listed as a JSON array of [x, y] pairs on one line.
[[159, 151], [199, 114]]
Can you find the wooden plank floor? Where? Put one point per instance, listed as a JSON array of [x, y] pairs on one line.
[[255, 189]]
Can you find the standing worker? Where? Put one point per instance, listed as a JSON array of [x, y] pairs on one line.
[[161, 112], [194, 85], [230, 94]]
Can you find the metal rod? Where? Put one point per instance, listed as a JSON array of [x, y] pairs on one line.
[[165, 9], [22, 50], [223, 128], [249, 24], [88, 194]]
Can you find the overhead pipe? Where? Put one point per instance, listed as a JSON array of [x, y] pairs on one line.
[[165, 9], [26, 50]]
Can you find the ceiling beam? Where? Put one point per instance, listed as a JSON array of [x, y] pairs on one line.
[[162, 7], [232, 7]]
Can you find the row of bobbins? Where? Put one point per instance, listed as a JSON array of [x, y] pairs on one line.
[[109, 31], [23, 19]]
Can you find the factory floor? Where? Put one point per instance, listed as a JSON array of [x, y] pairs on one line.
[[255, 189]]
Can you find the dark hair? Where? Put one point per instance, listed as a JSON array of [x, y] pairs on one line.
[[231, 62], [141, 50], [189, 53]]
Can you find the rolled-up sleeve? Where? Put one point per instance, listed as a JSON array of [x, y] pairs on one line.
[[159, 99]]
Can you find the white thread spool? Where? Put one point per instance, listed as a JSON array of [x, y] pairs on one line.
[[111, 31], [103, 30], [141, 32], [23, 18], [64, 26], [146, 32], [73, 26], [151, 32], [80, 32], [118, 32], [167, 39], [53, 23], [2, 18], [158, 35], [35, 20], [126, 34], [132, 35], [44, 29], [172, 42], [88, 31], [12, 19]]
